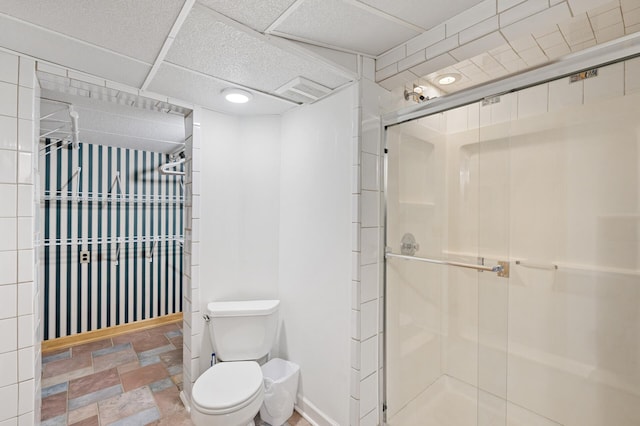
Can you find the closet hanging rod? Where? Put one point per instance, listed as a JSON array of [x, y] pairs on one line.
[[165, 169], [112, 240], [108, 198]]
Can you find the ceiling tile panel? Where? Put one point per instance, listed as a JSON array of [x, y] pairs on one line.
[[205, 91], [70, 53], [257, 14], [421, 13], [135, 28], [217, 49], [340, 24]]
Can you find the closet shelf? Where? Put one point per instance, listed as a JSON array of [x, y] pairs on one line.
[[112, 240], [108, 198]]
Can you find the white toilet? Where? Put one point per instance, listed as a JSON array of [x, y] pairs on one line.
[[231, 392]]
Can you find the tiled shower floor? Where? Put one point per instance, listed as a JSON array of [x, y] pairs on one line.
[[132, 379]]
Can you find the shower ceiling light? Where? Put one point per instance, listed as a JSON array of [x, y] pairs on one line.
[[237, 96], [448, 78]]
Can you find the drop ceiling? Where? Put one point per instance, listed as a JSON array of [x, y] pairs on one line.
[[192, 49]]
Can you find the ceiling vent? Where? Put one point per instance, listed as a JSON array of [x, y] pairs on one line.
[[302, 90]]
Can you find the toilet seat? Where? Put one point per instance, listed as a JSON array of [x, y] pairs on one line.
[[227, 387]]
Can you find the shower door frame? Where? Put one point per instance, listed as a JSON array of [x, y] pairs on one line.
[[619, 50]]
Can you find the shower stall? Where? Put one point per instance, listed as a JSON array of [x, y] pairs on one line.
[[512, 271]]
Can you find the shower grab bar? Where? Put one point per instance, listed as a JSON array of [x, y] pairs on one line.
[[498, 268]]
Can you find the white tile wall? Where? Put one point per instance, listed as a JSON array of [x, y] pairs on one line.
[[8, 96], [8, 368], [8, 334], [370, 208], [19, 392], [8, 132], [8, 293], [25, 298], [25, 167], [8, 197], [527, 33], [8, 166], [369, 356], [192, 324], [8, 400], [25, 200], [368, 394], [369, 283], [426, 39], [523, 10], [471, 16], [8, 272], [26, 368], [370, 419], [8, 68], [480, 29], [391, 57], [366, 216]]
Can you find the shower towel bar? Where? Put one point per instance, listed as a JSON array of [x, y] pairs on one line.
[[497, 268], [526, 264]]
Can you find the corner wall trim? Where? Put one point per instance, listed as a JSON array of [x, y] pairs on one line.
[[92, 336]]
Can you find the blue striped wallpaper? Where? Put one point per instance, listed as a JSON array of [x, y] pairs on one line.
[[115, 204]]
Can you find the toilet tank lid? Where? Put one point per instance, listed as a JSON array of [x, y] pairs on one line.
[[242, 308]]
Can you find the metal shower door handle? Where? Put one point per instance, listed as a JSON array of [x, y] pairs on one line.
[[502, 268]]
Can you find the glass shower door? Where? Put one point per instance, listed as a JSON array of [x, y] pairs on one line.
[[446, 296], [545, 184], [574, 298], [415, 194]]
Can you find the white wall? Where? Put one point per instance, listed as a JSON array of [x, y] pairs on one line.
[[315, 251], [276, 207], [241, 200], [240, 175]]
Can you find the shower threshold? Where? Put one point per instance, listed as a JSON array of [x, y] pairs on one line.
[[449, 401]]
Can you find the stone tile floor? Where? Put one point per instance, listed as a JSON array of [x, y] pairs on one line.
[[131, 379]]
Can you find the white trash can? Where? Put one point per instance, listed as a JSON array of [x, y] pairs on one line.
[[280, 390]]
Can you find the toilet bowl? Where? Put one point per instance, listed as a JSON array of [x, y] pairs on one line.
[[228, 394]]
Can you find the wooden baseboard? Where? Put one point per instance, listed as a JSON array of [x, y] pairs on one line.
[[103, 333]]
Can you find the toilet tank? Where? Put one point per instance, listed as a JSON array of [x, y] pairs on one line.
[[243, 330]]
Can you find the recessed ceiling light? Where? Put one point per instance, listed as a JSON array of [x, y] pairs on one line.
[[237, 96], [448, 78]]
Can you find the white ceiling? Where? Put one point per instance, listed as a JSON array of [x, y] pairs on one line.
[[346, 25], [257, 14], [133, 28], [205, 44], [190, 49], [422, 13]]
